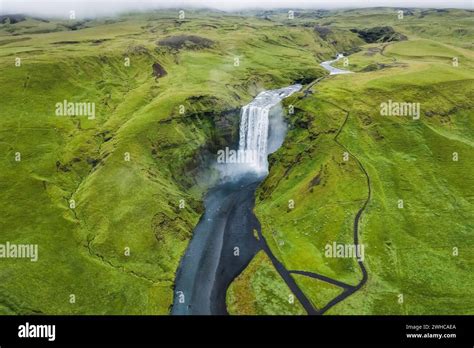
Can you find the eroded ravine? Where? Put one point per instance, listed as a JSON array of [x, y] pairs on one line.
[[223, 242]]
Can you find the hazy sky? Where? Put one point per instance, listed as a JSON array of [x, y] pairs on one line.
[[86, 8]]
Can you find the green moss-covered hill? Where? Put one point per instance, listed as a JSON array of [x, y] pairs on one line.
[[101, 197], [418, 257]]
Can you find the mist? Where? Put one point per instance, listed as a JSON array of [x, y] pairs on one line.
[[277, 128], [98, 8]]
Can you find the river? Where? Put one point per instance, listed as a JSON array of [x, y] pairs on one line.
[[332, 70], [223, 241]]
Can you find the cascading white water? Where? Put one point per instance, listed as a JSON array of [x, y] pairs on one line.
[[204, 275], [254, 126]]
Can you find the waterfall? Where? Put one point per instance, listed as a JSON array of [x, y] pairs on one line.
[[206, 271], [254, 126]]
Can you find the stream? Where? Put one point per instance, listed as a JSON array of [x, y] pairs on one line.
[[332, 70], [223, 241]]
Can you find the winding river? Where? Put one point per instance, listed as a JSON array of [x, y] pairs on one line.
[[223, 241], [332, 70]]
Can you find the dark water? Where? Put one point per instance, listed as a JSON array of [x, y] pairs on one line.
[[210, 263], [223, 242]]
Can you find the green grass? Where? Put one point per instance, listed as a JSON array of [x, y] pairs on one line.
[[408, 251], [260, 290], [120, 204], [134, 204], [319, 292], [314, 175]]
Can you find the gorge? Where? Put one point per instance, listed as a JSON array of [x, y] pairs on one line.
[[223, 242]]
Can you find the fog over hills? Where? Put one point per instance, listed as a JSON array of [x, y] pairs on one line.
[[91, 8]]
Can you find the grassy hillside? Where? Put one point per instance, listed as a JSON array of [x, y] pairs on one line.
[[259, 289], [161, 118], [122, 204], [409, 251]]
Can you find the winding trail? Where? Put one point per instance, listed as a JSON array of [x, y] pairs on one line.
[[346, 293], [210, 265], [348, 289], [286, 276], [323, 278]]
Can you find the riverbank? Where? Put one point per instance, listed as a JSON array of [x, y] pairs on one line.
[[224, 242]]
